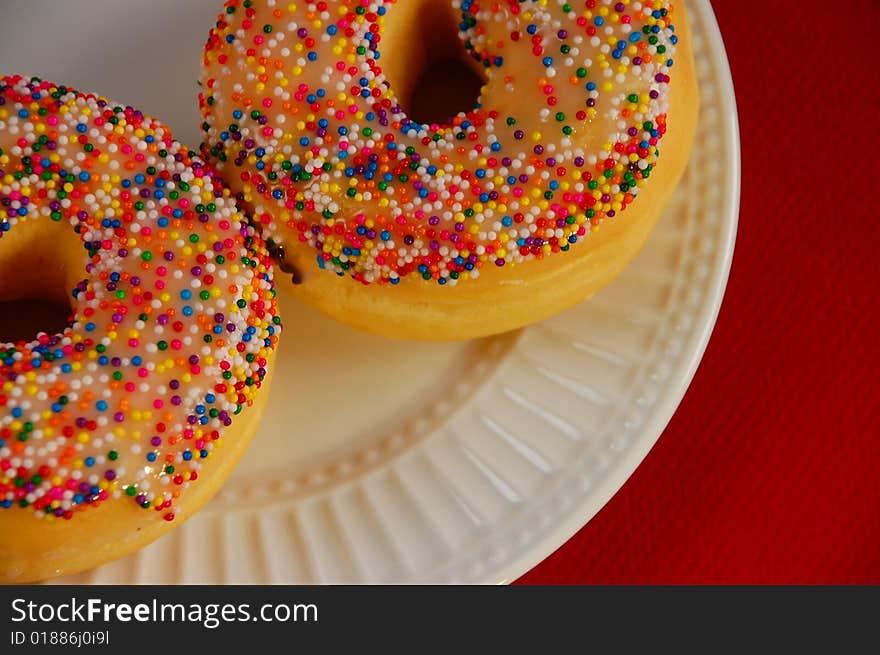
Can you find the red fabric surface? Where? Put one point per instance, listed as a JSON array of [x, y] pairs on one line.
[[769, 472]]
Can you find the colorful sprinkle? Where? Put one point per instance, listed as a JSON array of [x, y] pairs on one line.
[[312, 138]]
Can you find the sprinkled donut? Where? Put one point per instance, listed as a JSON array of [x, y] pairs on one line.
[[482, 223], [139, 408]]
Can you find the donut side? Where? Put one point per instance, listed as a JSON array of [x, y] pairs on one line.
[[116, 428], [506, 299], [496, 218]]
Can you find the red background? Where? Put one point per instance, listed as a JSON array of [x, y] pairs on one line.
[[769, 472]]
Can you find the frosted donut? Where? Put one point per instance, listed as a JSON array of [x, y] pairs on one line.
[[128, 420], [493, 219]]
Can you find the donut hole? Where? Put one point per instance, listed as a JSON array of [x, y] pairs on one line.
[[38, 270], [433, 79], [445, 88], [22, 320]]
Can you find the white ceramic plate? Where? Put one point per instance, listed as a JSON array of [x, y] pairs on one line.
[[458, 462]]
